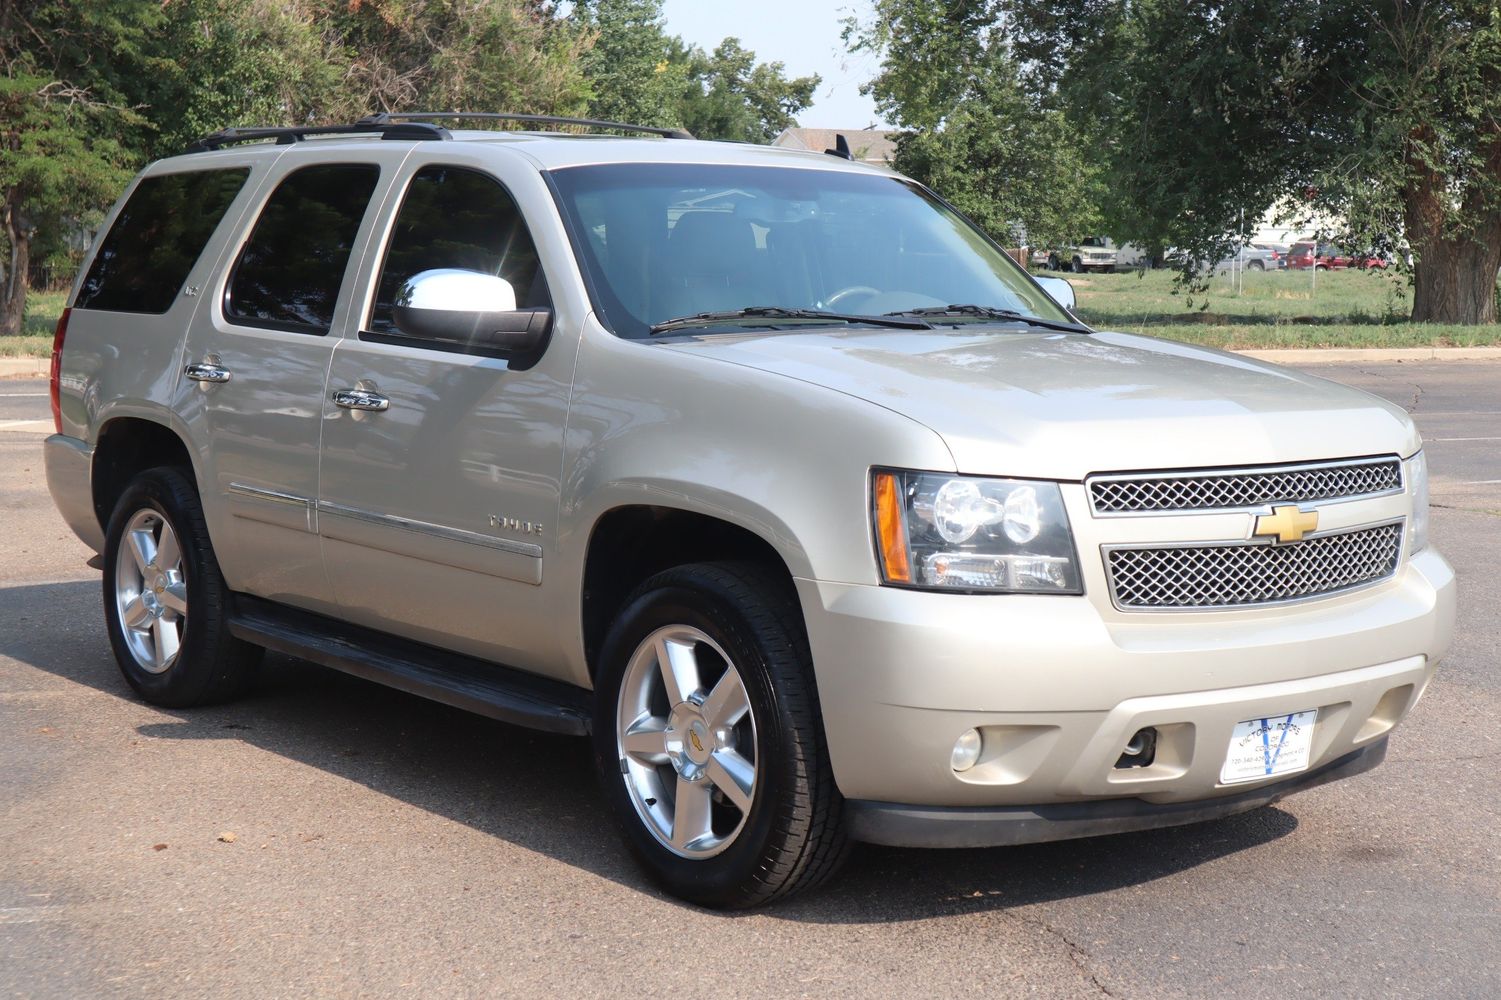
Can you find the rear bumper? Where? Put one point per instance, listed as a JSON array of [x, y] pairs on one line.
[[69, 464], [896, 825]]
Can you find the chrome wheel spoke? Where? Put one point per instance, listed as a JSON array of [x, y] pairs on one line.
[[735, 776], [164, 634], [175, 597], [168, 553], [691, 816], [679, 668], [134, 615], [727, 703], [142, 548], [646, 741]]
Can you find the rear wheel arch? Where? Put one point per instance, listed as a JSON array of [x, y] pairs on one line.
[[126, 447]]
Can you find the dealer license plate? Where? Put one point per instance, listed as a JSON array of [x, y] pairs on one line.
[[1262, 748]]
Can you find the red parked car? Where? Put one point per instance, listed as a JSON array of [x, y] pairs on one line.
[[1302, 256]]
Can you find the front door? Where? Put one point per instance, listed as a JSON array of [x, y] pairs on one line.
[[255, 364], [436, 510]]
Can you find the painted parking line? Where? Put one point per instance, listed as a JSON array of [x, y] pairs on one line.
[[21, 425], [23, 395]]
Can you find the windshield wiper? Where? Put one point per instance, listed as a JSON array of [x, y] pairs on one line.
[[991, 312], [779, 312]]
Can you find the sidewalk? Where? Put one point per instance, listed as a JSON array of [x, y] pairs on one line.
[[25, 367]]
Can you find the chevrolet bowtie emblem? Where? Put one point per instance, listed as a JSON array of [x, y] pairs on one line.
[[1286, 523]]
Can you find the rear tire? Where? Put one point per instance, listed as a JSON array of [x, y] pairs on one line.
[[709, 740], [165, 601]]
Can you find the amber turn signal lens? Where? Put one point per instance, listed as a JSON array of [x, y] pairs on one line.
[[891, 529]]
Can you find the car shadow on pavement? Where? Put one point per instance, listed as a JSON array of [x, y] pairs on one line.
[[538, 791]]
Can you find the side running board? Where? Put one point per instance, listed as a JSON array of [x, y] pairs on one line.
[[451, 678]]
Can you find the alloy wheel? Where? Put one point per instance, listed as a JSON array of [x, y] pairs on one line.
[[686, 739], [151, 591]]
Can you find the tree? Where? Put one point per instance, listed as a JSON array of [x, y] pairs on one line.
[[638, 73], [630, 69], [446, 55], [61, 111], [972, 129], [731, 96], [1387, 114]]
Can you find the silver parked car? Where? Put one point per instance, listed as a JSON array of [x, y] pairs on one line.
[[764, 470]]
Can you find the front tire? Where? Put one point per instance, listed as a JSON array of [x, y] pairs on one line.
[[165, 601], [709, 741]]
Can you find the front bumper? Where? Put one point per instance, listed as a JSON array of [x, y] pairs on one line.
[[1057, 689], [896, 825]]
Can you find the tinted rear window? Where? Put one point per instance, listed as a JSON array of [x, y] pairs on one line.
[[289, 273], [156, 239]]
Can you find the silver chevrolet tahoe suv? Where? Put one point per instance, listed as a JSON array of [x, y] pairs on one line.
[[764, 469]]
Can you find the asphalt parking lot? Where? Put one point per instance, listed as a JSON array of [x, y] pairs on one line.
[[382, 844]]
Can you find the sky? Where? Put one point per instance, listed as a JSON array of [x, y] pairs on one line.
[[803, 34]]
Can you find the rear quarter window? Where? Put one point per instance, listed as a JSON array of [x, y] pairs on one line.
[[156, 239]]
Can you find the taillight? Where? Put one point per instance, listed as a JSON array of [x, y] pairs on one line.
[[57, 370]]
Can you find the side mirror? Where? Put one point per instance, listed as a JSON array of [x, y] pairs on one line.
[[472, 311], [1059, 290]]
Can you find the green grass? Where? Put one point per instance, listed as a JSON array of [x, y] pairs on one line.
[[1269, 310], [35, 339]]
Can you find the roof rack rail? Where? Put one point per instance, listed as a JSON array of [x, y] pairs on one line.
[[285, 135], [387, 118]]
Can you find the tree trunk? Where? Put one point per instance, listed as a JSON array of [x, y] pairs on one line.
[[1455, 282], [18, 278]]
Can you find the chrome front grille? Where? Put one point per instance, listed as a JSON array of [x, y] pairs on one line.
[[1238, 574], [1231, 489]]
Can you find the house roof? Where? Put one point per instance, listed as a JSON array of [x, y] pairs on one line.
[[870, 145]]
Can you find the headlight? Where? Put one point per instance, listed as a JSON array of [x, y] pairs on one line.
[[945, 532], [1415, 469]]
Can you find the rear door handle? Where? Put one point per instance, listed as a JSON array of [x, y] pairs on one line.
[[206, 372], [361, 399]]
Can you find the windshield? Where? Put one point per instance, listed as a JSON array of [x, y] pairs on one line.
[[666, 241]]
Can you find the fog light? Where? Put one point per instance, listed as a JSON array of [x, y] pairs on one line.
[[966, 751]]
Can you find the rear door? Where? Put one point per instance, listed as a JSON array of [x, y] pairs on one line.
[[256, 362], [437, 513]]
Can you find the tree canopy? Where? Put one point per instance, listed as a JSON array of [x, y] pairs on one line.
[[1204, 113], [93, 90], [972, 127]]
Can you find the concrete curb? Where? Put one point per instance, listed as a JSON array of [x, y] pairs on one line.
[[25, 367], [1324, 355]]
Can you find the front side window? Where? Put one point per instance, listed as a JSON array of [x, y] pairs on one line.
[[461, 219], [664, 241], [156, 239], [290, 271]]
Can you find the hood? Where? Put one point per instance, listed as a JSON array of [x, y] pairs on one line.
[[1062, 406]]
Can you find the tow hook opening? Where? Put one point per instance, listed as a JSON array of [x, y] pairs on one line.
[[1140, 751]]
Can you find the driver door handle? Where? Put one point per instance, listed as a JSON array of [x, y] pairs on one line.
[[361, 399]]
